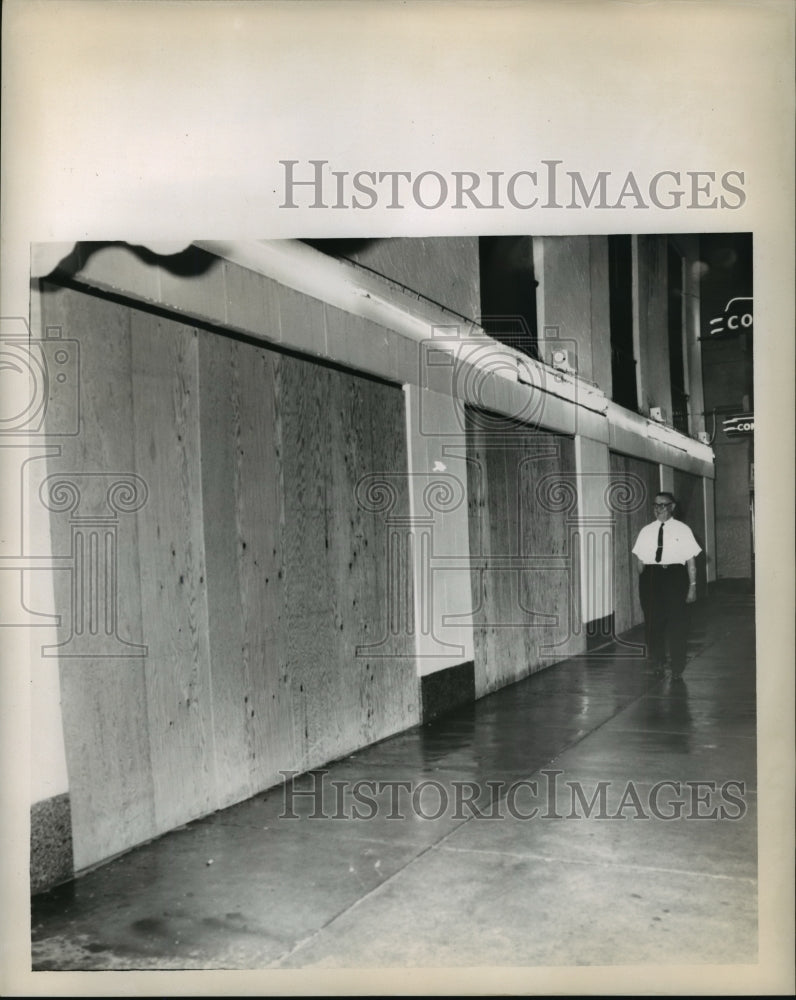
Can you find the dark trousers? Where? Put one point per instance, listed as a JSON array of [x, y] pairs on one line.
[[663, 591]]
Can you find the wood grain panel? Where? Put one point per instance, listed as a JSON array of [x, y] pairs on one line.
[[305, 564], [173, 587], [311, 644], [220, 421], [479, 545], [546, 531], [347, 562], [342, 427], [520, 612], [260, 491], [259, 574], [103, 699], [384, 692]]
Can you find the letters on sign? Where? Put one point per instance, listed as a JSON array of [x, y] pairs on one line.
[[738, 317], [744, 423]]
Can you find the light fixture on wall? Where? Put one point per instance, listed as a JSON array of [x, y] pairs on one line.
[[559, 359]]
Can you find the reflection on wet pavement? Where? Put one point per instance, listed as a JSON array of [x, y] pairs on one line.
[[424, 849]]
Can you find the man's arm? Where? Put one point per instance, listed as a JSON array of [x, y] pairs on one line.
[[639, 564], [691, 567]]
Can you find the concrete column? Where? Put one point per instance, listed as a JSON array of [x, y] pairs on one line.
[[595, 534], [708, 487], [441, 565], [693, 347], [563, 268], [666, 478], [650, 299]]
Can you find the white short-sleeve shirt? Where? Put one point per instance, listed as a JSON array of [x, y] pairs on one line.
[[679, 543]]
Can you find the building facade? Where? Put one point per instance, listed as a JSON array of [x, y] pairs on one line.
[[290, 498], [728, 380]]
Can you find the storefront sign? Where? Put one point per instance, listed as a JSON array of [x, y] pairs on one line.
[[744, 423], [738, 317]]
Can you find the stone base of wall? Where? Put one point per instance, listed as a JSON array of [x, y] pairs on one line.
[[600, 631], [446, 690], [50, 843]]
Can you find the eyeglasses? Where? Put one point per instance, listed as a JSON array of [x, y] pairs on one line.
[[662, 506]]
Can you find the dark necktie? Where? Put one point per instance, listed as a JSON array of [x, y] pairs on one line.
[[659, 550]]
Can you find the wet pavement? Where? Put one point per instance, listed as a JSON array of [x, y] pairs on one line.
[[593, 814]]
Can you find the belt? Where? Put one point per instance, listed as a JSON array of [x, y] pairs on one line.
[[663, 565]]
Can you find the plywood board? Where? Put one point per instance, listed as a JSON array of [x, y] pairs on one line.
[[103, 699], [220, 422], [251, 573], [522, 612], [343, 428], [259, 486], [173, 585]]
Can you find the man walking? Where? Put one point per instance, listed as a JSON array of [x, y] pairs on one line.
[[666, 552]]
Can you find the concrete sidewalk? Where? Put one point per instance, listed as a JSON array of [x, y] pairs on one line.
[[425, 850]]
